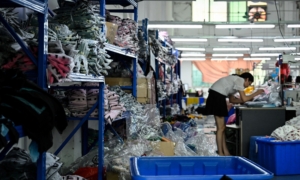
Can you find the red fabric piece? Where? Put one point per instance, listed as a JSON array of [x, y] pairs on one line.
[[90, 173], [284, 69]]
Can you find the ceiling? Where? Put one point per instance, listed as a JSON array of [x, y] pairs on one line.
[[280, 14]]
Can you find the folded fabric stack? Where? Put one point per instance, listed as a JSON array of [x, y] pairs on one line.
[[127, 33], [114, 107], [77, 102]]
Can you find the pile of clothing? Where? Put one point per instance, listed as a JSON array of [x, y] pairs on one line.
[[17, 164], [126, 34], [289, 132], [91, 57]]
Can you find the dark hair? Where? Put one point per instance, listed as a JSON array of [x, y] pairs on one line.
[[246, 75]]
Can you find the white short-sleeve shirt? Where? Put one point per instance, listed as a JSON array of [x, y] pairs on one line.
[[228, 85]]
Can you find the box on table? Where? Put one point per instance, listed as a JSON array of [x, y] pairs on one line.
[[195, 168], [281, 158], [143, 90]]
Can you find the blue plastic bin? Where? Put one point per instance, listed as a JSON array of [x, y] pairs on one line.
[[253, 150], [281, 158], [195, 168]]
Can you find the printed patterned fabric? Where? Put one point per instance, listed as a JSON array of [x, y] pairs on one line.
[[293, 135], [295, 122], [282, 132]]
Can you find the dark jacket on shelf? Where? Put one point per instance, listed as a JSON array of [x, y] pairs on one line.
[[26, 104]]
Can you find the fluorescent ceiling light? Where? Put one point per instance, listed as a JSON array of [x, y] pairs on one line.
[[286, 40], [231, 49], [188, 40], [245, 26], [258, 59], [277, 48], [190, 49], [297, 58], [293, 26], [240, 40], [227, 55], [192, 59], [192, 55], [266, 54], [185, 26], [224, 59]]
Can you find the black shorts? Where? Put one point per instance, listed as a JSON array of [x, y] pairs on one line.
[[216, 104]]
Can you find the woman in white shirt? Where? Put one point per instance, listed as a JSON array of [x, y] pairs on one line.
[[216, 102]]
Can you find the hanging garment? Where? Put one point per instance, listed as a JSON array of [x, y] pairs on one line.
[[28, 105]]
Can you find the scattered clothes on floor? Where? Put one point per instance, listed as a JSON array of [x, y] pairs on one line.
[[17, 165]]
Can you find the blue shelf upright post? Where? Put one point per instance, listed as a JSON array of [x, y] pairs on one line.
[[134, 77], [101, 130], [179, 76], [171, 97], [41, 80]]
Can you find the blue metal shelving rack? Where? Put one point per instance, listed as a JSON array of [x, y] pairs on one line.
[[41, 7], [119, 50], [100, 103]]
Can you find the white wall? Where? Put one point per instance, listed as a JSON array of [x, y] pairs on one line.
[[186, 72]]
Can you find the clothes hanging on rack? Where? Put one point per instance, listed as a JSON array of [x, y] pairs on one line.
[[28, 105]]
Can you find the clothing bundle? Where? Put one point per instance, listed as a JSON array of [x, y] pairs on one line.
[[165, 36], [126, 34], [21, 98], [289, 132], [159, 51]]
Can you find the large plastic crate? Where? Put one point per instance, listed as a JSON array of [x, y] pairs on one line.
[[195, 168], [281, 158]]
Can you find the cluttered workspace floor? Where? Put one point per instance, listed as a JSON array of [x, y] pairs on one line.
[[209, 129]]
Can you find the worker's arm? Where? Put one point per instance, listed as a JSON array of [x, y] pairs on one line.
[[234, 100], [245, 98]]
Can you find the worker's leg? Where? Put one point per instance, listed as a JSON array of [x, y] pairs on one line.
[[220, 133], [225, 150]]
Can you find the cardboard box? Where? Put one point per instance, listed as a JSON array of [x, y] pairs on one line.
[[143, 100], [142, 85], [166, 148], [111, 32], [118, 81], [112, 176]]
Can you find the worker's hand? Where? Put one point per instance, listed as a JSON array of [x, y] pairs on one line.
[[260, 91]]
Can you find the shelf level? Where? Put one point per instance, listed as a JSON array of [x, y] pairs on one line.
[[34, 5], [119, 50]]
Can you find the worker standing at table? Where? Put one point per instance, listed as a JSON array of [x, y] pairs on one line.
[[216, 102]]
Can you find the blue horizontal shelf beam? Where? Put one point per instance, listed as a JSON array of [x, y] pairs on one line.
[[34, 5], [74, 87], [121, 10], [126, 87], [18, 39]]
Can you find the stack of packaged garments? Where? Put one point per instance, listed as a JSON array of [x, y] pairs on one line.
[[164, 35], [126, 34], [159, 51]]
